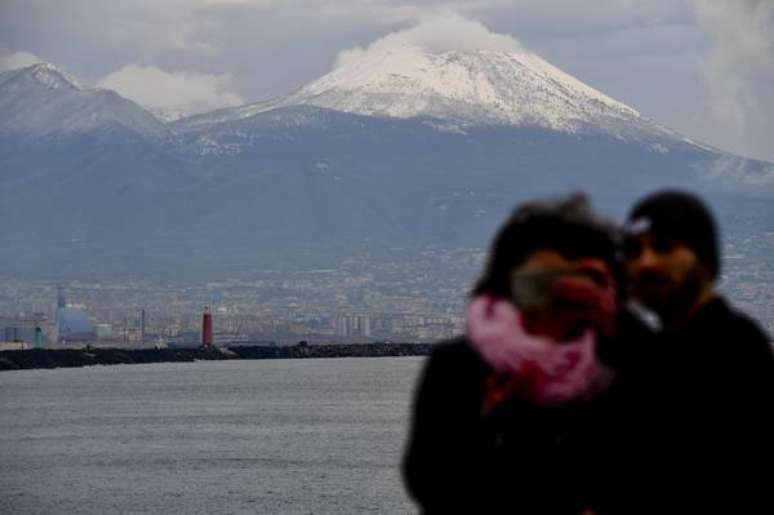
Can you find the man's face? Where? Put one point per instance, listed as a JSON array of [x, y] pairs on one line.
[[665, 275]]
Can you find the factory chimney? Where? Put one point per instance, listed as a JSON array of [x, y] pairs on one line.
[[142, 327]]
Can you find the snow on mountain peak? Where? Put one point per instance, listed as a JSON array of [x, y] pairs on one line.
[[456, 70], [51, 76], [43, 100], [475, 87]]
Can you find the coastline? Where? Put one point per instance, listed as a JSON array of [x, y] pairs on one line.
[[73, 358]]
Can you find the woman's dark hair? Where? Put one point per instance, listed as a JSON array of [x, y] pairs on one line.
[[566, 225]]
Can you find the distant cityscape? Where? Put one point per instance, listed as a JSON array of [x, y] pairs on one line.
[[419, 300]]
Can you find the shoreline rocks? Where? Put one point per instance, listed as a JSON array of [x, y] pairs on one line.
[[69, 358]]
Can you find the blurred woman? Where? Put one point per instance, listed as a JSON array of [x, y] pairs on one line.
[[512, 416]]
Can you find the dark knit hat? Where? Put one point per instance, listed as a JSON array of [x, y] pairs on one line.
[[680, 217]]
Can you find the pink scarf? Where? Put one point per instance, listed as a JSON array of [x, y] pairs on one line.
[[533, 367]]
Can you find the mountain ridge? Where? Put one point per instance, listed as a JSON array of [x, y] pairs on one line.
[[41, 100], [120, 192]]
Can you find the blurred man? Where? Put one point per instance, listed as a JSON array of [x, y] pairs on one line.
[[704, 389]]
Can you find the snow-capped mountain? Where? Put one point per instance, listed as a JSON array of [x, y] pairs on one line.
[[468, 88], [41, 100], [400, 148], [465, 91]]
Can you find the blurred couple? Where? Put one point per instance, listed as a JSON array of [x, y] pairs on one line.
[[601, 372]]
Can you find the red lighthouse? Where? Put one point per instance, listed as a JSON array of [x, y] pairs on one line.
[[207, 328]]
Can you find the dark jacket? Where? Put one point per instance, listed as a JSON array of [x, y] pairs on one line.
[[695, 431], [521, 458]]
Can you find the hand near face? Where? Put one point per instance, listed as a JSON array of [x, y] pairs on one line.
[[565, 296]]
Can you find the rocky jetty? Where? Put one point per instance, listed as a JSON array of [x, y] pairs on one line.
[[64, 358], [352, 350]]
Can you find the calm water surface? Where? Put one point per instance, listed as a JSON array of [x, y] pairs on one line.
[[275, 436]]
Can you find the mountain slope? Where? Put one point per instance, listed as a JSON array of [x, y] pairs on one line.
[[83, 173], [464, 91], [40, 101], [424, 149]]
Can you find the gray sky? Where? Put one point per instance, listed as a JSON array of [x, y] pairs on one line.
[[702, 67]]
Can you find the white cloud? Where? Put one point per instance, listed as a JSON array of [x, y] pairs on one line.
[[172, 93], [18, 60], [740, 67], [437, 34]]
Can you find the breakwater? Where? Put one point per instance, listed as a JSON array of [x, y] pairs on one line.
[[65, 358]]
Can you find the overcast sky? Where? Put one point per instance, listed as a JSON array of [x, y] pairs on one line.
[[702, 67]]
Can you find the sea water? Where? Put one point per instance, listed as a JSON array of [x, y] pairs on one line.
[[271, 436]]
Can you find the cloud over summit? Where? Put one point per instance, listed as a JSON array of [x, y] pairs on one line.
[[445, 33], [18, 60], [740, 67], [172, 94]]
